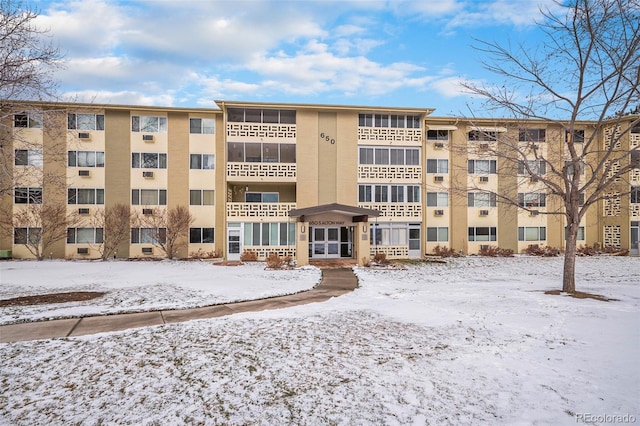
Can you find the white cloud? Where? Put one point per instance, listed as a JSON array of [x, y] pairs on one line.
[[122, 97], [517, 13]]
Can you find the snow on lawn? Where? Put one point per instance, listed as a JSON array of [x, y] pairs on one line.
[[141, 286], [471, 342]]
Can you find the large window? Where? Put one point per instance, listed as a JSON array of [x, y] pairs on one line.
[[532, 135], [85, 158], [580, 236], [32, 120], [252, 152], [84, 235], [481, 199], [634, 196], [439, 166], [389, 193], [532, 233], [389, 234], [536, 167], [569, 166], [149, 197], [577, 137], [201, 235], [482, 136], [27, 235], [483, 233], [269, 234], [437, 234], [532, 199], [202, 126], [28, 157], [392, 156], [437, 135], [148, 160], [85, 121], [85, 196], [202, 161], [147, 124], [437, 199], [201, 197], [28, 195], [389, 120], [148, 235], [262, 197], [257, 115], [481, 167]]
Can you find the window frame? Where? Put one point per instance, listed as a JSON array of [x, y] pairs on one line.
[[136, 197], [492, 233], [200, 233], [98, 122], [136, 124], [28, 157], [540, 233], [203, 129]]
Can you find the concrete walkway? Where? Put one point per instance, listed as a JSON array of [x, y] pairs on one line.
[[335, 282]]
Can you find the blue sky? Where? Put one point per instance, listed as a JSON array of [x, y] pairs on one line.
[[189, 53]]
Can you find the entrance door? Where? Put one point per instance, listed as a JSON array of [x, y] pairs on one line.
[[635, 238], [330, 243], [233, 244], [414, 241]]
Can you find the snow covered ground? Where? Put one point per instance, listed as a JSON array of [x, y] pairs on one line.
[[474, 341]]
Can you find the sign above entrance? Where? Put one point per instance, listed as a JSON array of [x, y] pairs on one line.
[[325, 222]]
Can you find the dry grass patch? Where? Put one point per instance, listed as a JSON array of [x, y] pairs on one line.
[[582, 295]]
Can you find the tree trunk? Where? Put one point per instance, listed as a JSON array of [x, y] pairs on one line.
[[569, 272]]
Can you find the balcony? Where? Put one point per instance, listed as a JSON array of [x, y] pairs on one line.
[[253, 211], [260, 132], [396, 211], [372, 173], [261, 172], [388, 135]]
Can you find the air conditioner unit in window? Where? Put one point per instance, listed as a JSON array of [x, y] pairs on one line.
[[484, 212], [438, 212], [484, 146], [147, 211], [84, 136], [147, 250], [438, 145], [82, 250], [147, 138], [533, 213], [533, 179], [484, 179], [148, 175], [438, 178], [83, 210], [84, 173], [484, 246]]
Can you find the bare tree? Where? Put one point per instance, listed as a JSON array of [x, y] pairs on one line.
[[38, 226], [588, 68], [115, 221], [171, 228]]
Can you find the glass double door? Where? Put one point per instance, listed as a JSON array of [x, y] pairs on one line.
[[331, 242]]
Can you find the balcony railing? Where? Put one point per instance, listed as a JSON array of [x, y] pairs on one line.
[[237, 211], [385, 173], [392, 252], [260, 132], [390, 135], [405, 211], [265, 172]]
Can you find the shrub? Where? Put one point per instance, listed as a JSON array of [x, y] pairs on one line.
[[249, 256], [595, 250], [444, 251], [536, 250], [495, 251], [380, 258], [274, 261], [201, 254]]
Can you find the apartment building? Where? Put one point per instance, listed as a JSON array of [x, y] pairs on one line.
[[309, 181]]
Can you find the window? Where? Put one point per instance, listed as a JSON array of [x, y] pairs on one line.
[[381, 194], [482, 136], [532, 199], [147, 124], [413, 193], [85, 121], [481, 167], [366, 156], [437, 234], [397, 194], [27, 235], [568, 167], [205, 126], [579, 237], [483, 233], [201, 235], [257, 115], [635, 159], [537, 167], [389, 234], [148, 235], [381, 156], [532, 135], [28, 157], [437, 135], [31, 120], [148, 160], [393, 156], [389, 120], [635, 129], [437, 199], [578, 136], [252, 152], [262, 197], [149, 197], [532, 233], [365, 193], [201, 197], [84, 235], [28, 195], [481, 199], [202, 161], [85, 196], [634, 196], [437, 166], [85, 158], [269, 234]]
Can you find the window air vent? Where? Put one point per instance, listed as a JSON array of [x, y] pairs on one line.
[[83, 210], [484, 179], [147, 211], [484, 212], [147, 250], [438, 212], [148, 175], [484, 146], [84, 173], [83, 250], [438, 178], [438, 145], [85, 136], [533, 179], [484, 246], [533, 213], [147, 138]]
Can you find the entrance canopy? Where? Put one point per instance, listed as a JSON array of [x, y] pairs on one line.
[[357, 214]]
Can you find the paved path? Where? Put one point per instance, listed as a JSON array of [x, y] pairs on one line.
[[335, 282]]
